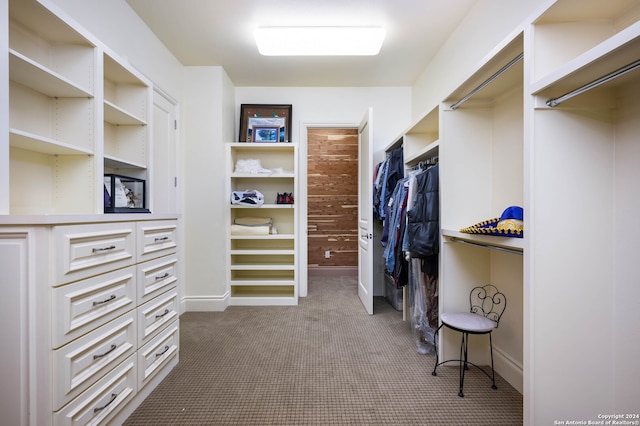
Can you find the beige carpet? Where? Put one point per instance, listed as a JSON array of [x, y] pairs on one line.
[[323, 362]]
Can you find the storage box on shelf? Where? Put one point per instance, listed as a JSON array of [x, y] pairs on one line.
[[584, 164], [262, 267], [481, 174]]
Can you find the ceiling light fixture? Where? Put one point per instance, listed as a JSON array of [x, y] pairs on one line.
[[319, 41]]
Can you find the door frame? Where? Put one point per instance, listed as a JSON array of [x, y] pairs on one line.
[[303, 264]]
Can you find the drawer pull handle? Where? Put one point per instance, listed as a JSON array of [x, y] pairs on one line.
[[161, 239], [98, 250], [166, 348], [113, 398], [113, 296], [166, 311], [162, 277], [113, 348]]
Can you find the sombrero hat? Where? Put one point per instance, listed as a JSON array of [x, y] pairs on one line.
[[509, 224]]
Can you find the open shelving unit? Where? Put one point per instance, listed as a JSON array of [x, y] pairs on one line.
[[76, 111], [52, 114], [263, 269]]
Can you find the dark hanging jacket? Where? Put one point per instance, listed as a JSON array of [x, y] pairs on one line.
[[424, 217]]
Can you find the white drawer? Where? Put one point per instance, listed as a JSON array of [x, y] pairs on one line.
[[153, 356], [80, 363], [85, 250], [155, 277], [154, 315], [102, 401], [156, 238], [84, 305]]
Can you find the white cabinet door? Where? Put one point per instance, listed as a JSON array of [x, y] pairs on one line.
[[365, 211]]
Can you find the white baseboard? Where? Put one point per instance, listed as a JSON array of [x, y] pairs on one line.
[[206, 303], [508, 368]]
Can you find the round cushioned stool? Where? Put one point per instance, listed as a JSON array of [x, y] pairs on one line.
[[487, 307]]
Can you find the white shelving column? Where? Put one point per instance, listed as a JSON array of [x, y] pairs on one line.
[[263, 269]]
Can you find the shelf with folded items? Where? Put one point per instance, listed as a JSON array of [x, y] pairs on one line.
[[263, 259]]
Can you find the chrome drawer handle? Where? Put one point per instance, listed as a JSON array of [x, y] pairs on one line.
[[161, 239], [113, 348], [98, 250], [113, 398], [113, 296], [161, 277], [166, 348], [166, 311]]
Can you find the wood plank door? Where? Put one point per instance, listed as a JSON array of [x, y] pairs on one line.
[[365, 211]]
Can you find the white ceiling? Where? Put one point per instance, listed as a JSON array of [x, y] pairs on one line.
[[220, 32]]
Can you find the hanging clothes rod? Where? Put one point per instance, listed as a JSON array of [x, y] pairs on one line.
[[487, 81], [595, 83], [472, 243]]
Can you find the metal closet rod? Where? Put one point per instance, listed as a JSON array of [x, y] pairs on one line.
[[595, 83], [471, 243], [487, 81]]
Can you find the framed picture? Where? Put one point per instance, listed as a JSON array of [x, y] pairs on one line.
[[266, 134], [273, 122]]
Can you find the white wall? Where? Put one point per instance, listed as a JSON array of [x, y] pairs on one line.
[[208, 106], [334, 105], [116, 25]]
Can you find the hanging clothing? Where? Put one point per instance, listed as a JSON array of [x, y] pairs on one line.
[[423, 304], [423, 226]]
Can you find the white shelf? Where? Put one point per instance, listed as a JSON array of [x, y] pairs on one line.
[[31, 142], [120, 163], [262, 252], [261, 283], [423, 153], [115, 115], [263, 267], [263, 175], [263, 237], [621, 49], [29, 73], [264, 206], [512, 243]]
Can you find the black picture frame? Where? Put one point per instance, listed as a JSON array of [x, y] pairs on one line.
[[253, 116]]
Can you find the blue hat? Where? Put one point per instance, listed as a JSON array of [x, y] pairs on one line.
[[509, 224]]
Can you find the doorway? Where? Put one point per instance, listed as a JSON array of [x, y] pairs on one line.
[[332, 201]]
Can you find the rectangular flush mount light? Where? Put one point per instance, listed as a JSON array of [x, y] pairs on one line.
[[319, 41]]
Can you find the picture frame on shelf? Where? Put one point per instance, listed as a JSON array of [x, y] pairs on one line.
[[266, 134], [265, 117]]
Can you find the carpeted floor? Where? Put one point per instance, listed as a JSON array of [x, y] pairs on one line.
[[323, 362]]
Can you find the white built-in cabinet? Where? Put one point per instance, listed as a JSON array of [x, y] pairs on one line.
[[90, 300], [571, 328], [582, 322], [76, 111], [263, 268], [95, 309]]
